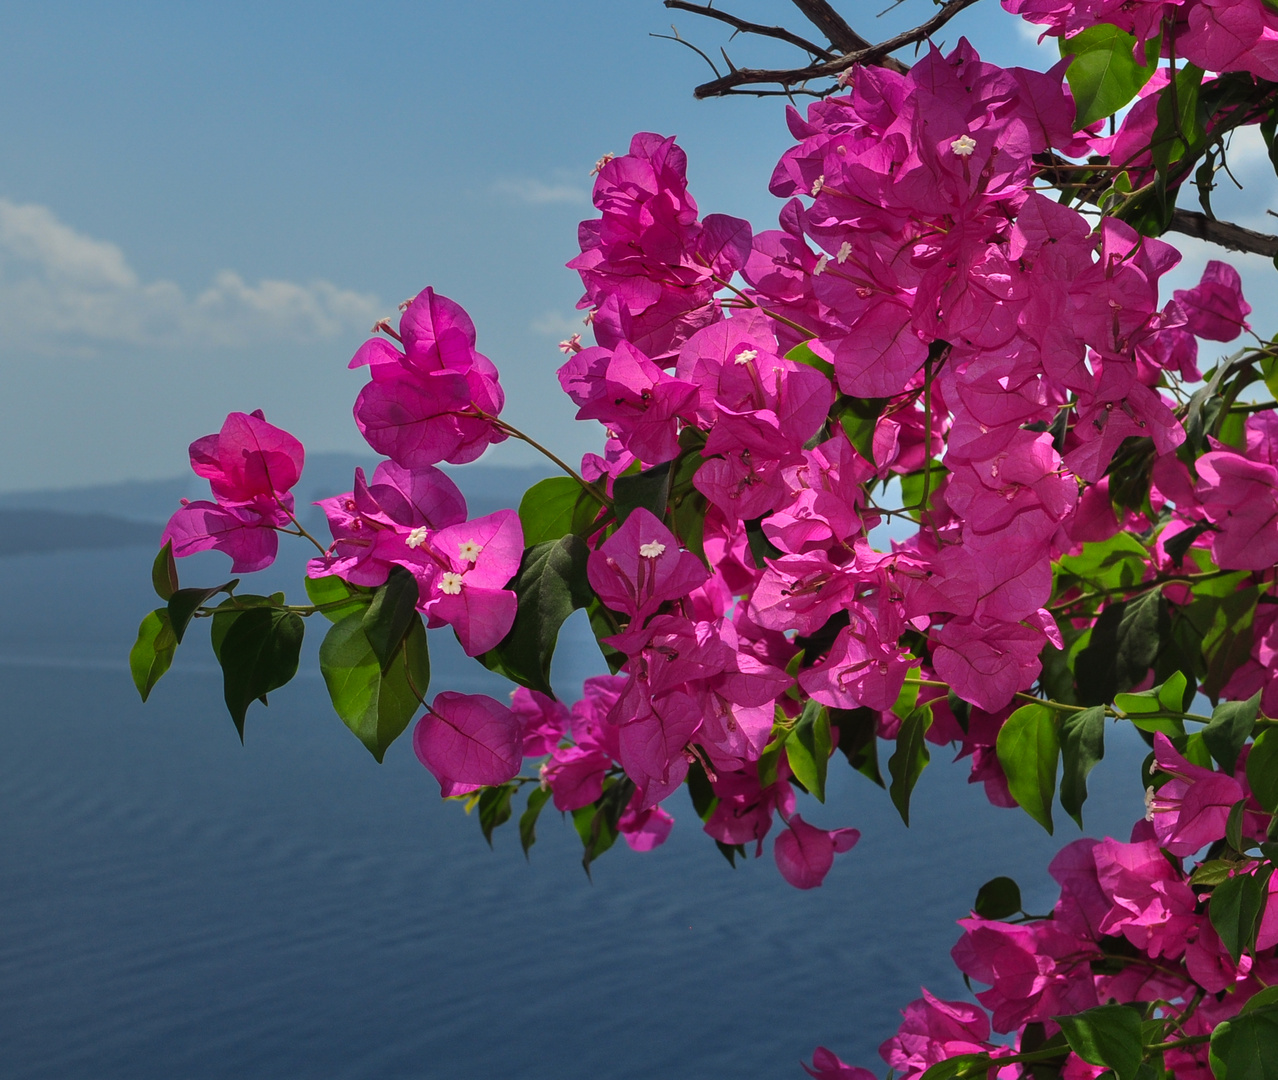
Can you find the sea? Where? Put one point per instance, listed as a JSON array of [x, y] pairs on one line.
[[177, 906]]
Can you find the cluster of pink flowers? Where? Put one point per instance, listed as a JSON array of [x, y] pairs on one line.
[[1216, 35]]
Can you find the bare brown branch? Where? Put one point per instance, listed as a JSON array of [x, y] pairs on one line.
[[879, 54], [821, 15], [1225, 233], [747, 27]]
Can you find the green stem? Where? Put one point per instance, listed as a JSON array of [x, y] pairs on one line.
[[515, 433]]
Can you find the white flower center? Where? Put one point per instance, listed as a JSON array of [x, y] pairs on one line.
[[817, 185], [822, 263], [1149, 804], [450, 584], [417, 537], [652, 549], [746, 355], [469, 550], [963, 145], [845, 249]]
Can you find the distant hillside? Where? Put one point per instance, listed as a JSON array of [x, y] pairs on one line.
[[132, 513]]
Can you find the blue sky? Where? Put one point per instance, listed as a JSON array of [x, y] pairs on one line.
[[203, 208]]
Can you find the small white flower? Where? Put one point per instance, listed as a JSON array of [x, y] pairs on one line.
[[845, 249], [1149, 804], [469, 550], [601, 163], [746, 355], [417, 537], [819, 269], [963, 145], [571, 345], [817, 185], [652, 549], [450, 584]]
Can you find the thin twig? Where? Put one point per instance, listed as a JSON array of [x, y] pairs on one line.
[[746, 27]]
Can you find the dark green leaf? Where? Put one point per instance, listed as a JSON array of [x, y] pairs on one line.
[[1246, 1047], [1231, 726], [1122, 648], [955, 1068], [912, 486], [494, 809], [391, 615], [555, 507], [537, 798], [1178, 546], [1109, 1035], [1180, 129], [1262, 769], [809, 748], [1082, 746], [376, 706], [649, 489], [1227, 645], [550, 585], [858, 740], [1234, 825], [1235, 910], [1210, 873], [603, 625], [259, 654], [184, 603], [227, 612], [858, 418], [1029, 749], [770, 758], [336, 598], [596, 824], [730, 852], [910, 758], [998, 898], [761, 547], [689, 514], [1104, 75], [164, 578], [153, 651]]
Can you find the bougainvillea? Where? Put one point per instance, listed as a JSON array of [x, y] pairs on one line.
[[1086, 528]]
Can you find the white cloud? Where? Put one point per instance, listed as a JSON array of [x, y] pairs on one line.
[[556, 324], [66, 292], [537, 192]]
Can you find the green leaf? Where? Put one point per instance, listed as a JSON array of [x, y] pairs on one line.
[[1028, 749], [858, 418], [391, 615], [227, 612], [910, 758], [377, 706], [809, 748], [1167, 697], [537, 798], [596, 824], [550, 585], [1227, 645], [153, 651], [1234, 826], [1235, 910], [1109, 1035], [336, 598], [555, 507], [602, 625], [1231, 726], [908, 698], [1212, 872], [689, 514], [1104, 75], [1246, 1047], [803, 354], [858, 740], [760, 546], [259, 654], [1262, 769], [912, 486], [1180, 129], [1082, 746], [494, 808], [961, 1065], [1115, 563], [164, 578], [770, 757], [998, 898], [184, 603], [1122, 648], [649, 489]]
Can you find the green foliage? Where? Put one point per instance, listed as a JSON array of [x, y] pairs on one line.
[[649, 489], [596, 824], [998, 898], [1262, 769], [375, 702], [537, 798], [1235, 909], [153, 651], [1231, 725], [556, 507], [390, 616], [1121, 649], [550, 585], [1082, 746], [1028, 749], [164, 577], [809, 747], [335, 598], [910, 758], [494, 808], [1104, 75], [184, 603], [1109, 1036], [258, 653], [1246, 1047]]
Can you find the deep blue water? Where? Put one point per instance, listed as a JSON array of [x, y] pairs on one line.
[[175, 905]]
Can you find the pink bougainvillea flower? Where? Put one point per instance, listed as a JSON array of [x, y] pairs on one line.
[[934, 1030], [805, 853], [250, 466], [641, 566], [468, 741], [1191, 809], [827, 1066], [544, 720], [1215, 308], [644, 829]]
